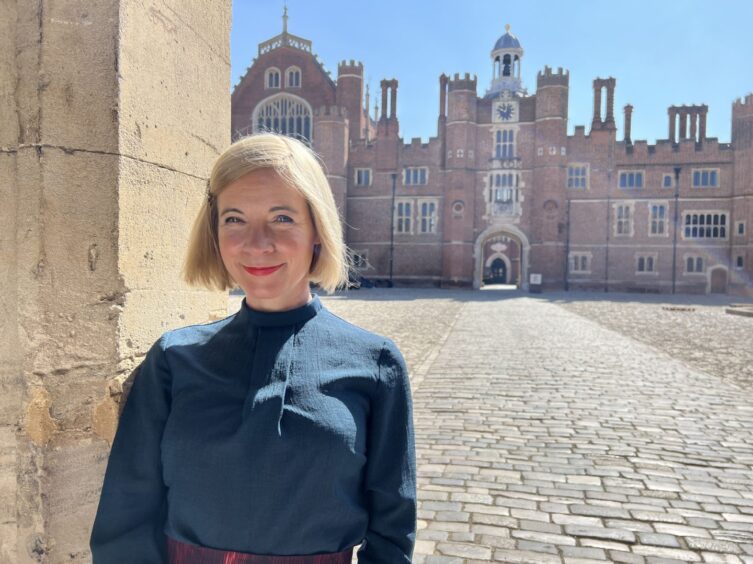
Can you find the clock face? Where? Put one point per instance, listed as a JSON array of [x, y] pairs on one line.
[[505, 111]]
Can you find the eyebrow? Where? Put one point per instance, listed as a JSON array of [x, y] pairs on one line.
[[272, 209]]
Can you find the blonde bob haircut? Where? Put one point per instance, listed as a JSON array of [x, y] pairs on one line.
[[301, 169]]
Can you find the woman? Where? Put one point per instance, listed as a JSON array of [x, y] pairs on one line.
[[282, 430]]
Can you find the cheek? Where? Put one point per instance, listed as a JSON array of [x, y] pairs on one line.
[[230, 239]]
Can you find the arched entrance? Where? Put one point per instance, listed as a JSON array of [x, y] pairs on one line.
[[501, 257], [496, 270], [718, 280]]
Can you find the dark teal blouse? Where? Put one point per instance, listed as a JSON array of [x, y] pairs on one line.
[[283, 433]]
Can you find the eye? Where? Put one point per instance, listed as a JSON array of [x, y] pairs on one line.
[[232, 219], [283, 219]]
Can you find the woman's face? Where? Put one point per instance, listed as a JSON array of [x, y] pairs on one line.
[[266, 238]]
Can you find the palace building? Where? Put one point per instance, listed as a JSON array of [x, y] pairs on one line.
[[503, 194]]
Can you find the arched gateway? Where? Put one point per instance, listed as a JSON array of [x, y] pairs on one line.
[[506, 244]]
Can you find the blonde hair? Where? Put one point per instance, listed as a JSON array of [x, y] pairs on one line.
[[300, 168]]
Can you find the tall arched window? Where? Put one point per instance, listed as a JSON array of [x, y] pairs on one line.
[[272, 78], [284, 114], [293, 77]]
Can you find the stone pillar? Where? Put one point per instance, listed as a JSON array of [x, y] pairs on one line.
[[672, 119], [693, 122], [443, 95], [683, 123], [393, 99], [596, 123], [702, 124], [610, 84], [105, 151], [628, 122], [384, 85]]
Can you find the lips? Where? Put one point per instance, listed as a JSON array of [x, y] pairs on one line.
[[262, 271]]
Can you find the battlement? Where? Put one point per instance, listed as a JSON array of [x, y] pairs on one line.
[[548, 77], [666, 151], [331, 112], [350, 67], [417, 143], [285, 39], [465, 83], [746, 101], [743, 107]]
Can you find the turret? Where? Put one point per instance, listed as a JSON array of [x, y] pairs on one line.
[[506, 58], [349, 95]]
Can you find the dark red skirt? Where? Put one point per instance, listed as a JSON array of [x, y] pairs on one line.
[[183, 553]]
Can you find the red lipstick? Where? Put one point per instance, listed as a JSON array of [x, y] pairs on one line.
[[262, 271]]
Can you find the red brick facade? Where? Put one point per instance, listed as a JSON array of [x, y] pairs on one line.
[[502, 192]]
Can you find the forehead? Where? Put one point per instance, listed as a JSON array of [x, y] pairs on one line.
[[261, 186]]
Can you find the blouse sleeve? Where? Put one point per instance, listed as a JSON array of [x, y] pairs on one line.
[[390, 466], [132, 507]]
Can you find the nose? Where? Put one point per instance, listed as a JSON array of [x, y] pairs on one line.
[[259, 239]]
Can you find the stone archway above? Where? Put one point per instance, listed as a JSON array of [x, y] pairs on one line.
[[495, 231]]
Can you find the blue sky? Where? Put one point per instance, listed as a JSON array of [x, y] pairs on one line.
[[661, 52]]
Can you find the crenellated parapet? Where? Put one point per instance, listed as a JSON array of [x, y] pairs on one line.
[[351, 67], [742, 123], [331, 112], [666, 151], [417, 145], [549, 77], [466, 82]]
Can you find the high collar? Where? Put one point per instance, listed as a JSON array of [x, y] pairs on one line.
[[299, 315]]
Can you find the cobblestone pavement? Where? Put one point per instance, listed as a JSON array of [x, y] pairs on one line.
[[545, 436], [704, 337]]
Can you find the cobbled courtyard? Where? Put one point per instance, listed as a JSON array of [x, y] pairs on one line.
[[574, 427]]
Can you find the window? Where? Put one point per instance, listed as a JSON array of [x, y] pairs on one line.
[[470, 153], [404, 216], [427, 221], [505, 144], [667, 181], [580, 263], [658, 215], [693, 265], [284, 114], [540, 151], [705, 177], [740, 262], [460, 153], [272, 79], [293, 79], [503, 187], [645, 264], [623, 220], [577, 176], [741, 228], [362, 176], [415, 175], [705, 225], [631, 179], [449, 153]]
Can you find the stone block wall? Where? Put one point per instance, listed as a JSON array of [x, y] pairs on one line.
[[111, 114]]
